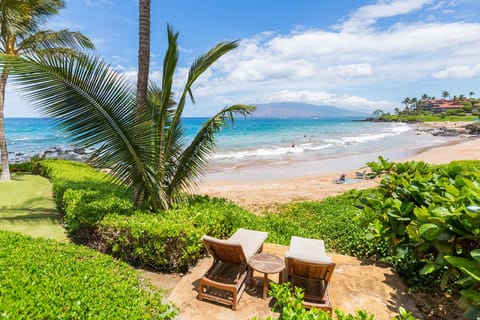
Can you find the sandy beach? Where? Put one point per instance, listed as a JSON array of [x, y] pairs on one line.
[[257, 188]]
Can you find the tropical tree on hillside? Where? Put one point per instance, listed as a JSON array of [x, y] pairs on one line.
[[471, 94], [20, 34], [146, 150], [424, 97], [445, 94]]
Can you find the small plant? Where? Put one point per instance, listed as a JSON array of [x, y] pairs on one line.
[[289, 305]]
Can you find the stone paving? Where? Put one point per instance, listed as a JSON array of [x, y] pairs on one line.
[[355, 284]]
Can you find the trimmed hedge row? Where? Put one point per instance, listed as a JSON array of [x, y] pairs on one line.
[[44, 279], [171, 240], [84, 195]]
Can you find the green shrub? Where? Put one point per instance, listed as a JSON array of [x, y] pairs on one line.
[[85, 195], [171, 240], [422, 210], [44, 279], [289, 305], [333, 219], [156, 241]]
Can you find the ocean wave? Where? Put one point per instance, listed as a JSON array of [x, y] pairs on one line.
[[278, 151]]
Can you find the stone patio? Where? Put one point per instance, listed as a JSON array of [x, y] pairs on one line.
[[355, 284]]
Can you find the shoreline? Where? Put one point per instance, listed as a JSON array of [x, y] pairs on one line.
[[263, 188]]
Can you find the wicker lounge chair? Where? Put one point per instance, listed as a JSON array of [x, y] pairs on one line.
[[309, 267], [225, 281]]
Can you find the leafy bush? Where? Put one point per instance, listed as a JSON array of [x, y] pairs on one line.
[[289, 304], [44, 279], [85, 195], [422, 210], [334, 220], [171, 240], [152, 240]]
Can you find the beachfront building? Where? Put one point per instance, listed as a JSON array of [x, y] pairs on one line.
[[439, 105]]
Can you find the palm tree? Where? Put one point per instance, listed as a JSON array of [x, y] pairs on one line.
[[406, 101], [143, 54], [20, 34], [445, 94], [146, 150], [424, 97], [471, 94]]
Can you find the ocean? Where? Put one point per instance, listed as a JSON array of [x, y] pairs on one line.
[[260, 142]]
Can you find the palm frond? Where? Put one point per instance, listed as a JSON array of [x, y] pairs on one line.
[[95, 106], [193, 160], [50, 40], [198, 67]]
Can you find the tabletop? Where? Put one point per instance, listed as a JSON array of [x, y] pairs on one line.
[[266, 263]]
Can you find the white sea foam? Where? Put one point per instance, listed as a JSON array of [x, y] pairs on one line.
[[278, 151]]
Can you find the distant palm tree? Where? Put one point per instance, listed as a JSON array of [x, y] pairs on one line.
[[146, 150], [143, 54], [425, 97], [20, 34], [472, 94], [445, 94], [406, 101]]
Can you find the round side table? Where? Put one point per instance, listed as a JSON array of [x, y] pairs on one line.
[[267, 264]]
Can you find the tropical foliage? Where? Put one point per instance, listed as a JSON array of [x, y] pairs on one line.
[[288, 303], [44, 279], [424, 211], [21, 34], [144, 149]]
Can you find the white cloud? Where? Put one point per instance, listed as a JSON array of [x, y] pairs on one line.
[[97, 3], [459, 72], [324, 98], [368, 15]]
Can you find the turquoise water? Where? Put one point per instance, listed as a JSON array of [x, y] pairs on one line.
[[253, 140]]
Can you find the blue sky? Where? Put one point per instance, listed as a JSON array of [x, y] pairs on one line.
[[353, 54]]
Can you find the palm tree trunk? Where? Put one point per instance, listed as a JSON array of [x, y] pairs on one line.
[[3, 142], [143, 54]]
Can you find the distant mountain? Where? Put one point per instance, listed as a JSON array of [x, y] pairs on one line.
[[302, 110]]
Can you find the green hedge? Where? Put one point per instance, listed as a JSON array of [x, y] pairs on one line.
[[169, 240], [100, 213], [85, 195], [44, 279]]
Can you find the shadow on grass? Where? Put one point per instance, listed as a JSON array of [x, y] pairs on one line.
[[29, 215]]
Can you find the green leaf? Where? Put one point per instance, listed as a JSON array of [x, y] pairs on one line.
[[430, 231], [471, 295], [428, 268], [466, 266], [475, 254]]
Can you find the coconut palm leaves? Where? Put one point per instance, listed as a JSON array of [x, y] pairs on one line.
[[96, 105], [20, 33]]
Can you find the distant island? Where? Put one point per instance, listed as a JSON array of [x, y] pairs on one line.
[[302, 110]]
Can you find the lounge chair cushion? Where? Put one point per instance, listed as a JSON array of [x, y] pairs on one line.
[[250, 240], [309, 250]]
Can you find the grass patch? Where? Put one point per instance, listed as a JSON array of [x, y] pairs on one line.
[[26, 206]]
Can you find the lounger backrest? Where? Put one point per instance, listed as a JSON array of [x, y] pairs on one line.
[[225, 250], [309, 270]]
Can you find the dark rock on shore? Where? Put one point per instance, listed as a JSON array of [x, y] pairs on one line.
[[76, 154]]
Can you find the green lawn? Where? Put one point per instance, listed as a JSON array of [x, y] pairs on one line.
[[26, 206]]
